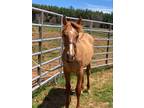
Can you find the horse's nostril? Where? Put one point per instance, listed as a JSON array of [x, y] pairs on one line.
[[67, 55], [70, 57]]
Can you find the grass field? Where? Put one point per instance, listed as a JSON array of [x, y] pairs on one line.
[[53, 95]]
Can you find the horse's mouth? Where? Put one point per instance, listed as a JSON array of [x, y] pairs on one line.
[[70, 59]]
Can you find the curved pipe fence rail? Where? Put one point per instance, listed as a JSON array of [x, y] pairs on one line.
[[41, 77]]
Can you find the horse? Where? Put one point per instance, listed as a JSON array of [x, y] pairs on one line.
[[77, 54]]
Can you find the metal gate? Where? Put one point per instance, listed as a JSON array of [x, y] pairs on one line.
[[44, 70]]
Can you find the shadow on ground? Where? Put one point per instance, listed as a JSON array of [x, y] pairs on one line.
[[55, 99]]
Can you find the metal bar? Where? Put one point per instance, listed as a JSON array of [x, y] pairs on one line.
[[55, 75], [46, 62], [101, 59], [46, 11], [108, 42], [61, 44], [35, 78], [91, 26], [46, 25], [101, 65], [45, 39], [103, 53], [46, 51], [44, 82], [42, 74], [35, 67], [110, 46], [96, 66], [35, 87], [40, 49], [101, 22], [52, 69], [37, 53], [51, 60], [103, 39], [104, 31]]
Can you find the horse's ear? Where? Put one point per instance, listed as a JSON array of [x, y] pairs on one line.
[[64, 20], [79, 21]]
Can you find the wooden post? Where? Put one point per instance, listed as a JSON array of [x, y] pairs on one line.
[[108, 42], [40, 49]]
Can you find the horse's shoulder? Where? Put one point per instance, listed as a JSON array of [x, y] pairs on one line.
[[89, 37]]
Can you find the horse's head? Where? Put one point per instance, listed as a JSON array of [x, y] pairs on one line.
[[70, 35]]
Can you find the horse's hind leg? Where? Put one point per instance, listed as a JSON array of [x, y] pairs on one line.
[[88, 74], [82, 85], [68, 87]]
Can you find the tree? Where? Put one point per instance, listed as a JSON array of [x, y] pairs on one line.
[[86, 14]]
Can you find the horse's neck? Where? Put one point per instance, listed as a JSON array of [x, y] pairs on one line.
[[80, 44], [84, 42]]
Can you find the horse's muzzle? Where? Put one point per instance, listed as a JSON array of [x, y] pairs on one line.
[[70, 58]]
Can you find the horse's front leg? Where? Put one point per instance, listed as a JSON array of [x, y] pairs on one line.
[[68, 88], [79, 85]]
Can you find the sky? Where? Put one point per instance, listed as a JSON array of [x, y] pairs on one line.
[[101, 5]]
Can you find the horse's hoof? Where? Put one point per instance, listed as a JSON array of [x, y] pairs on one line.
[[72, 93], [81, 91], [88, 91]]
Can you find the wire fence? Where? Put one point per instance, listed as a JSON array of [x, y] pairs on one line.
[[47, 45]]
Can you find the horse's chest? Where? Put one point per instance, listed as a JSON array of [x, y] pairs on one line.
[[72, 67]]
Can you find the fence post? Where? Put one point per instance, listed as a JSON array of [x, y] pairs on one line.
[[108, 42], [91, 26], [40, 49], [61, 50]]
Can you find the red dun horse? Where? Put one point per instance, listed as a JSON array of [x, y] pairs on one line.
[[77, 54]]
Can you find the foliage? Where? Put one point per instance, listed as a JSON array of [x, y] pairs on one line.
[[86, 14]]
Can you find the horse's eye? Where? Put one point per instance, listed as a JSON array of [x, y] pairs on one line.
[[77, 37]]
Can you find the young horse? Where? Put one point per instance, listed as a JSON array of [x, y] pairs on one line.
[[77, 54]]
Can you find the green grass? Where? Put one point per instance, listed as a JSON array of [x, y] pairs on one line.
[[100, 96], [104, 94]]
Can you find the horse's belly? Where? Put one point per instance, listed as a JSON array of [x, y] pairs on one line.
[[87, 60]]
